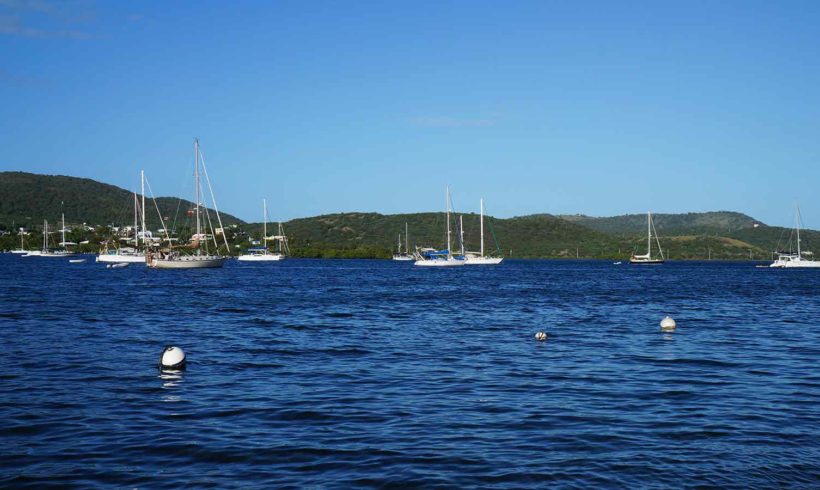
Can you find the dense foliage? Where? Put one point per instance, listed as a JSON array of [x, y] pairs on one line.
[[27, 199]]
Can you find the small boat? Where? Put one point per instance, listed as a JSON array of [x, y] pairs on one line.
[[403, 256], [261, 254], [76, 261], [647, 258], [22, 249], [128, 254], [617, 263], [202, 258], [119, 265], [472, 258], [441, 258], [52, 253]]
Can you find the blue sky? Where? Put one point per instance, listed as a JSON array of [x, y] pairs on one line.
[[600, 108]]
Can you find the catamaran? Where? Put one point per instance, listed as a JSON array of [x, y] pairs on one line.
[[403, 256], [788, 260], [261, 253], [128, 254], [647, 258], [473, 258], [201, 257], [440, 258]]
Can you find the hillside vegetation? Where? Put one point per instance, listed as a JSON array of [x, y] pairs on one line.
[[26, 199]]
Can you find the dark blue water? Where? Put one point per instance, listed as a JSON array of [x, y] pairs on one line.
[[311, 373]]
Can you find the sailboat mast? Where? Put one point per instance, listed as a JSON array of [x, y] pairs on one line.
[[797, 219], [45, 235], [649, 235], [482, 227], [448, 220], [142, 210], [136, 233], [196, 186], [63, 234], [461, 232], [406, 240], [265, 225]]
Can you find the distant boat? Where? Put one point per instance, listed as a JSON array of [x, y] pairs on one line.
[[200, 259], [127, 254], [617, 263], [403, 256], [647, 258], [22, 249], [440, 258], [261, 254], [789, 260], [54, 253], [76, 261], [118, 265], [473, 258]]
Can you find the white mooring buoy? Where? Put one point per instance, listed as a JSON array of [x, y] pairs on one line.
[[172, 357], [541, 336], [668, 324]]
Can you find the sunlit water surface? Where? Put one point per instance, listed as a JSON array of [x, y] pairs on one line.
[[310, 373]]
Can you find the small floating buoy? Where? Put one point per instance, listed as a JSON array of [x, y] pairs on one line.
[[541, 336], [172, 357], [668, 324]]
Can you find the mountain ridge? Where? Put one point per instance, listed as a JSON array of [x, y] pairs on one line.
[[26, 199]]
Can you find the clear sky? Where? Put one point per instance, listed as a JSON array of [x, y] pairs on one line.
[[599, 108]]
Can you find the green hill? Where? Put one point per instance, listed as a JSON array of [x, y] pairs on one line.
[[27, 199], [717, 222], [374, 234]]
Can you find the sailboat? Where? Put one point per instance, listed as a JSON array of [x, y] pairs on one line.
[[647, 258], [129, 255], [201, 258], [22, 249], [403, 256], [440, 258], [55, 253], [788, 260], [261, 254], [473, 258]]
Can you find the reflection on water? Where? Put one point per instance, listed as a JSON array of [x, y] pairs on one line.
[[171, 380]]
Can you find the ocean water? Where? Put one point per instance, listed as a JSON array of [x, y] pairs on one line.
[[340, 374]]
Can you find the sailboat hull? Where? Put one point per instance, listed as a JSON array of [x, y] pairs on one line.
[[483, 260], [440, 263], [260, 258], [188, 262], [645, 261], [119, 259]]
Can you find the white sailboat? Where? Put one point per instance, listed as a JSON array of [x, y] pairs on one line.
[[22, 249], [125, 254], [647, 258], [261, 254], [55, 253], [440, 258], [789, 260], [403, 256], [473, 258], [200, 259]]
